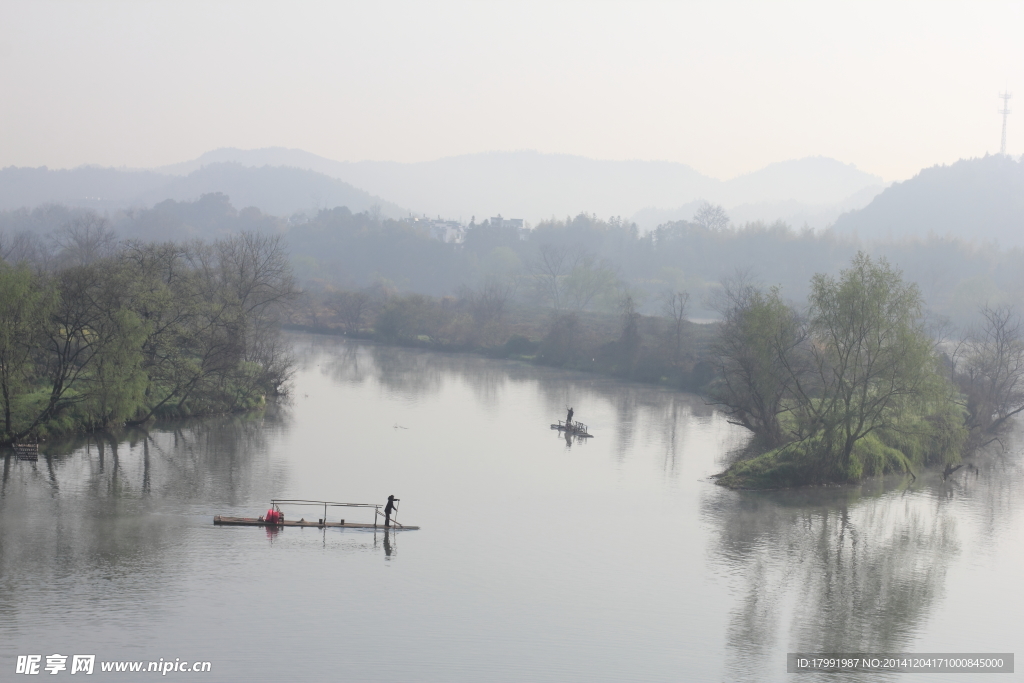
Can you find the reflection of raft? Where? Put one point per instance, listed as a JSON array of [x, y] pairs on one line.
[[574, 428]]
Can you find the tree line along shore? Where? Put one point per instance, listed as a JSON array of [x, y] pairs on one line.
[[96, 333]]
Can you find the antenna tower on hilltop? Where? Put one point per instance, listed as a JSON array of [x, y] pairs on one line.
[[1005, 97]]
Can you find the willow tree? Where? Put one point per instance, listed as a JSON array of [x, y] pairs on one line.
[[873, 368], [758, 351], [26, 302]]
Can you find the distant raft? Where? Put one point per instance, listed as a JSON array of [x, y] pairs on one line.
[[574, 428]]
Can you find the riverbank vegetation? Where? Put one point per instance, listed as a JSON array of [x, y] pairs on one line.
[[858, 385], [96, 332], [665, 349]]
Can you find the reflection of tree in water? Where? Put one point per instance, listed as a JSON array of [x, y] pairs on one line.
[[408, 373], [345, 362], [412, 372], [111, 508], [833, 570], [643, 414], [222, 459], [992, 480], [675, 416]]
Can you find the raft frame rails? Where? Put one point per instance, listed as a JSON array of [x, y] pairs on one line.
[[575, 428], [276, 503]]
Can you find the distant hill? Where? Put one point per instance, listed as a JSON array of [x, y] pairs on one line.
[[809, 181], [536, 186], [975, 199], [796, 214], [278, 191], [97, 188]]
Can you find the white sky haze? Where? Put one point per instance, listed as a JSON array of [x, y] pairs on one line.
[[724, 87]]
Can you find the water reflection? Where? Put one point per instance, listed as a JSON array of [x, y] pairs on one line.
[[641, 414], [101, 506], [115, 528], [569, 438], [853, 569]]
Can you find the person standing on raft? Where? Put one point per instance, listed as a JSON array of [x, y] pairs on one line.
[[388, 509], [568, 419]]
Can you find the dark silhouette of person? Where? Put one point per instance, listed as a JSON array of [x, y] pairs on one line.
[[388, 509], [568, 418]]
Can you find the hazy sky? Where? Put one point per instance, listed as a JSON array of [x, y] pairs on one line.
[[724, 87]]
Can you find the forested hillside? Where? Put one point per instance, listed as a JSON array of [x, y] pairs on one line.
[[972, 199]]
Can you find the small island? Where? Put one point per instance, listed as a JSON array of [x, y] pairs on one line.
[[858, 385]]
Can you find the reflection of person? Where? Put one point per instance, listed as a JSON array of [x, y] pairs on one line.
[[387, 544], [568, 418], [388, 509]]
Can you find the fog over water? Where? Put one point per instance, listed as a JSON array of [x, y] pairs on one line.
[[610, 559]]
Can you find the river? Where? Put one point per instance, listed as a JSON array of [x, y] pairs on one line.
[[613, 559]]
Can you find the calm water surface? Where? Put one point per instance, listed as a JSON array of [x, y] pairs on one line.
[[538, 560]]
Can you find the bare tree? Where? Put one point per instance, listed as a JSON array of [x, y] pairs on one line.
[[711, 217], [548, 270], [85, 240], [992, 372], [350, 308], [25, 247], [490, 302], [675, 310], [587, 279]]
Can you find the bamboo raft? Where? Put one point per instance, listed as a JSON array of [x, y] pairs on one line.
[[316, 524], [322, 523], [575, 428]]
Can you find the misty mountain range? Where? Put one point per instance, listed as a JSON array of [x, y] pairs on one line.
[[537, 186], [977, 199], [526, 185]]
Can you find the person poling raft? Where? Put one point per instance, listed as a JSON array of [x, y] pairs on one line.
[[388, 509], [275, 518], [576, 428]]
